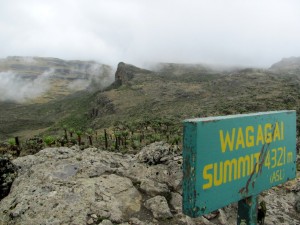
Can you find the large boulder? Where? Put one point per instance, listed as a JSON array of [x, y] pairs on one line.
[[67, 186]]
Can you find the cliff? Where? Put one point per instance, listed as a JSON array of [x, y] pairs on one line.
[[126, 72]]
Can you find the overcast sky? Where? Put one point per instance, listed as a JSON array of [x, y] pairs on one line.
[[231, 32]]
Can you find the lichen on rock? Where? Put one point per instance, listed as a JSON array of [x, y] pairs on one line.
[[70, 186]]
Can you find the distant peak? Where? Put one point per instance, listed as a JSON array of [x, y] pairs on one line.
[[121, 64], [290, 64], [126, 72]]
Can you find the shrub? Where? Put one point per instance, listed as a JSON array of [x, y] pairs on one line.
[[49, 140], [11, 142]]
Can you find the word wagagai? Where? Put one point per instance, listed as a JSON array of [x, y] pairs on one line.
[[232, 157]]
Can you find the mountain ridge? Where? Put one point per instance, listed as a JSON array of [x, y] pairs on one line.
[[178, 91]]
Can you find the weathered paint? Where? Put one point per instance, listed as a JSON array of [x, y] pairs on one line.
[[229, 158]]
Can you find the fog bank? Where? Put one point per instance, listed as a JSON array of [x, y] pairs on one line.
[[17, 89]]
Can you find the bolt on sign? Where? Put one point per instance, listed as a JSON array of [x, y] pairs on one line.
[[230, 158]]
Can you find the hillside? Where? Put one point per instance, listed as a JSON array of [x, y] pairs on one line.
[[173, 91], [287, 65], [196, 93]]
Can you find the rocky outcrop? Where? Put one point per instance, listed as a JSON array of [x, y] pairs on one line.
[[70, 186], [8, 173], [122, 74], [126, 72]]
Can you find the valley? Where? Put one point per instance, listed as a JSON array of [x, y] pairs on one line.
[[166, 91]]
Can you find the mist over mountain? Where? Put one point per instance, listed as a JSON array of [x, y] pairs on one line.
[[14, 88], [37, 79]]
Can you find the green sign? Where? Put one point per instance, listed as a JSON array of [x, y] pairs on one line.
[[229, 158]]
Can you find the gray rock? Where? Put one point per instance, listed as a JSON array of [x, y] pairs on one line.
[[280, 207], [155, 153], [136, 221], [297, 204], [90, 221], [186, 220], [153, 188], [69, 186], [54, 185], [222, 217], [170, 174], [106, 222], [159, 207], [176, 202]]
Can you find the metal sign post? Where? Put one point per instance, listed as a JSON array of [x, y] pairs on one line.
[[234, 158], [247, 211]]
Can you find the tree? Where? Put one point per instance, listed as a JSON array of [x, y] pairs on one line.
[[71, 131], [131, 127], [125, 134], [117, 139], [79, 133], [105, 137], [65, 130], [90, 133]]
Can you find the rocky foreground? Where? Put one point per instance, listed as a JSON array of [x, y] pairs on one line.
[[70, 186]]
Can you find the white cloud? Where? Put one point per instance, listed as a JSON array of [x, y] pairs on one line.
[[14, 88], [256, 32]]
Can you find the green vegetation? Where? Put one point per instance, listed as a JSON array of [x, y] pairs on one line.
[[79, 134], [150, 106], [122, 136], [49, 140], [11, 142]]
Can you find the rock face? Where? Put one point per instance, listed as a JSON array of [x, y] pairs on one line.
[[122, 74], [69, 186], [8, 172], [126, 72]]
